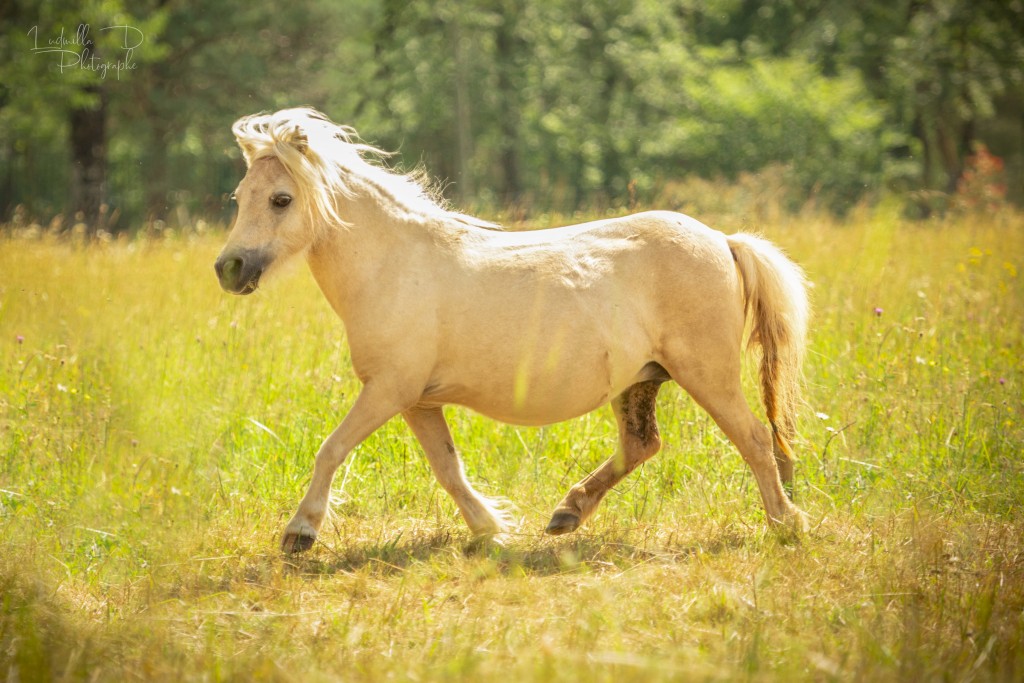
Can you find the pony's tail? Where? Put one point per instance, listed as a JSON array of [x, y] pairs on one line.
[[775, 302]]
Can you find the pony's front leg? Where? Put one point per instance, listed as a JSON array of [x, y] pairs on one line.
[[484, 516], [370, 411]]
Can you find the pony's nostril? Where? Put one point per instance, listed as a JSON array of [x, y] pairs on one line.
[[239, 273], [229, 269]]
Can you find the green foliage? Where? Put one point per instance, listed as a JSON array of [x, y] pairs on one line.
[[781, 111], [949, 71], [536, 105], [55, 58]]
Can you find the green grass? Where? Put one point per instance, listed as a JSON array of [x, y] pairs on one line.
[[156, 434]]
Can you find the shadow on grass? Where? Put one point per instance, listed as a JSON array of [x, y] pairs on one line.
[[521, 554]]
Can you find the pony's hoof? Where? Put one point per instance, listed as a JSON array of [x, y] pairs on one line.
[[298, 541], [795, 522], [800, 523], [562, 523], [485, 542]]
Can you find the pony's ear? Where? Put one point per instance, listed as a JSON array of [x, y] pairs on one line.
[[248, 150], [299, 140]]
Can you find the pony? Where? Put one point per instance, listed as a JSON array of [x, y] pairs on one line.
[[528, 327]]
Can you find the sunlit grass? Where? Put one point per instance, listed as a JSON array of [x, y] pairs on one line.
[[156, 434]]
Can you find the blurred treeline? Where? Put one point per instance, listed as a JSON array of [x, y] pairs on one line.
[[528, 105]]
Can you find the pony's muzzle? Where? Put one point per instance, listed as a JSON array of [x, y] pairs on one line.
[[239, 273]]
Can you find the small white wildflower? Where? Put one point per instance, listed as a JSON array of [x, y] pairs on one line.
[[920, 361], [821, 416], [62, 388], [175, 491]]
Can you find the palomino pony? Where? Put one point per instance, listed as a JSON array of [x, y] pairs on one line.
[[528, 328]]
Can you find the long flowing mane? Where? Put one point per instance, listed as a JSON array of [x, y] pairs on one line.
[[326, 159]]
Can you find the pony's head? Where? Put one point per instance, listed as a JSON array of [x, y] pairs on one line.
[[296, 160], [302, 168]]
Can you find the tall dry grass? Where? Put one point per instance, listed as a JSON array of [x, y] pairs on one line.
[[156, 434]]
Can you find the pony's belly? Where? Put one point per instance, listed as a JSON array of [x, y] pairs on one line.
[[543, 403], [533, 409], [532, 415]]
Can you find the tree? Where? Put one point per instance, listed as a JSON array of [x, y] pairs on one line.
[[88, 134], [62, 63], [938, 68], [220, 62], [546, 105], [509, 82], [949, 67]]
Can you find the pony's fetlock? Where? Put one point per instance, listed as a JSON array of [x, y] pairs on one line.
[[493, 519], [793, 519]]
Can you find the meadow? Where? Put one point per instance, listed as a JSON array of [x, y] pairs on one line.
[[156, 434]]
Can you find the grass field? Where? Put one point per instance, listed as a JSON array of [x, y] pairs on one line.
[[156, 434]]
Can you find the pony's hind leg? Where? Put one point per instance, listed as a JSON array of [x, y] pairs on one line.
[[718, 391], [638, 440], [484, 516]]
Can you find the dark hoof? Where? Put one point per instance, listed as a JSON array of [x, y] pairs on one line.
[[562, 523], [485, 543], [297, 543]]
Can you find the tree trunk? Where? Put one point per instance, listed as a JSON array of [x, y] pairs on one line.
[[463, 134], [156, 180], [383, 46], [509, 114], [89, 161]]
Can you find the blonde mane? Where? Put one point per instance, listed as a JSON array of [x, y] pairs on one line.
[[326, 159]]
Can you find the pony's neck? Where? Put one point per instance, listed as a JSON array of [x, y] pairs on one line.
[[382, 193], [381, 233]]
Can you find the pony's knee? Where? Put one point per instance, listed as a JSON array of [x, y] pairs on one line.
[[636, 449], [756, 447], [757, 450]]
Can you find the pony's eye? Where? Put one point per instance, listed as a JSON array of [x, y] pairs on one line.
[[281, 200]]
